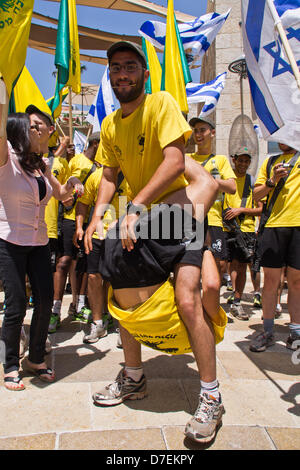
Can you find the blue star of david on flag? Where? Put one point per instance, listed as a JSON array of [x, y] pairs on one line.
[[275, 51]]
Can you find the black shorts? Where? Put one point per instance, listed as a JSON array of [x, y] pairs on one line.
[[218, 242], [152, 259], [279, 247], [93, 257], [233, 252], [66, 243]]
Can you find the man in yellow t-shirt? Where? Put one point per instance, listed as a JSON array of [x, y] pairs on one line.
[[219, 167], [239, 209], [96, 291], [146, 138], [80, 166], [279, 243]]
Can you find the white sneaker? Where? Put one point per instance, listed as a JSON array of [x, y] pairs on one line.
[[97, 332]]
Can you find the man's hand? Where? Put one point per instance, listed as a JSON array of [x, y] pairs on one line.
[[127, 231], [78, 236], [96, 225], [233, 212], [278, 172]]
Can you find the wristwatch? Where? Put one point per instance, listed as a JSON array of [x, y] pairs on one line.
[[270, 183], [133, 208]]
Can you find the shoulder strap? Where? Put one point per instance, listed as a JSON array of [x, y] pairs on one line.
[[208, 158], [246, 190], [89, 173]]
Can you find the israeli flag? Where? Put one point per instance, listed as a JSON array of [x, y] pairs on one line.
[[103, 103], [79, 141], [274, 90], [207, 93], [196, 36]]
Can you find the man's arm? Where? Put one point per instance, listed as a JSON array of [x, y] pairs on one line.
[[172, 166], [81, 212], [227, 186], [106, 191]]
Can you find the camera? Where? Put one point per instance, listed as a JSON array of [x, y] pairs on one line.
[[286, 165]]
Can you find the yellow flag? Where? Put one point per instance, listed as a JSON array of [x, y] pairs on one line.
[[15, 21], [153, 66], [74, 70], [175, 71], [26, 92]]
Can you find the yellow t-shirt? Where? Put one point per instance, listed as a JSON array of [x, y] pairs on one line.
[[234, 201], [221, 165], [61, 171], [117, 206], [79, 166], [286, 210], [135, 143]]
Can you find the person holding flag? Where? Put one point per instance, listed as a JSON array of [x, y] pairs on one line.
[[146, 139]]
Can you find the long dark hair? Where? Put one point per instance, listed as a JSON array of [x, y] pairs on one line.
[[17, 129]]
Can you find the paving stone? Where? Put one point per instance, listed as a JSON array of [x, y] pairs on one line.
[[228, 438], [126, 439], [34, 442], [285, 438]]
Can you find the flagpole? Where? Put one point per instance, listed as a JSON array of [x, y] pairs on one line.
[[285, 42], [70, 116], [87, 138], [59, 127]]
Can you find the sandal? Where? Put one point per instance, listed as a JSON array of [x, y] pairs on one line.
[[15, 380], [42, 374]]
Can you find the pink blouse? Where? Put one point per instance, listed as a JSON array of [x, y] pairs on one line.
[[22, 213]]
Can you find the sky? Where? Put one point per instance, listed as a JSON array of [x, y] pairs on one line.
[[41, 65]]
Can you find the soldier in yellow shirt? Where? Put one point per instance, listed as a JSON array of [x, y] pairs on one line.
[[219, 167], [80, 166], [146, 138], [279, 242], [239, 209]]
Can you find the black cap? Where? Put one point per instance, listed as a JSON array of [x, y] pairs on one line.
[[127, 45], [195, 120], [32, 109]]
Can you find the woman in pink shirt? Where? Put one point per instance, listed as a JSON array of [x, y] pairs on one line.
[[26, 185]]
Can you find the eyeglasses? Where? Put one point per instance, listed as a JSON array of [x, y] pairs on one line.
[[130, 68], [35, 126]]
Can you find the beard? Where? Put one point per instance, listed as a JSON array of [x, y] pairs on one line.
[[126, 96]]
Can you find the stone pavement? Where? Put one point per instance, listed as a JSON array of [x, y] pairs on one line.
[[260, 391]]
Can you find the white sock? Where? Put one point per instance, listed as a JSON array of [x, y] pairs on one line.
[[56, 307], [98, 322], [80, 302], [134, 373], [211, 388]]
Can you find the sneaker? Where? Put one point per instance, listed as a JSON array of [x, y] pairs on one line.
[[54, 323], [229, 286], [230, 299], [257, 303], [84, 316], [30, 302], [72, 309], [262, 342], [97, 332], [237, 311], [208, 416], [290, 342], [123, 388], [24, 343]]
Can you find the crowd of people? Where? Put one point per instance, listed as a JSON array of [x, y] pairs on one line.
[[80, 217]]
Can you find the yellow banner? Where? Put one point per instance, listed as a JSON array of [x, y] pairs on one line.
[[74, 69], [26, 92], [15, 21]]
